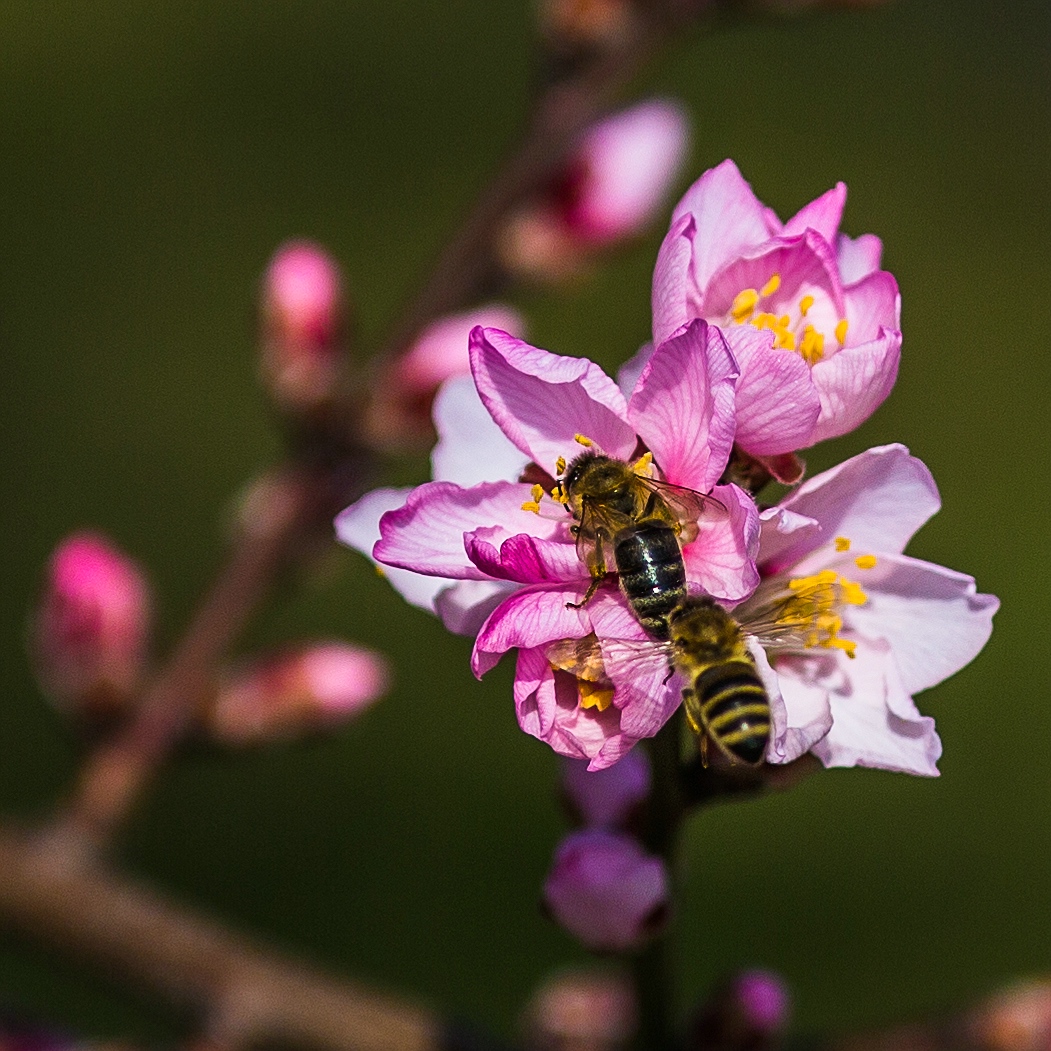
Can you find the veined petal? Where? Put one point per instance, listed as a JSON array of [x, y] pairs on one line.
[[358, 526], [675, 297], [470, 448], [822, 215], [932, 617], [803, 717], [730, 219], [782, 531], [870, 305], [721, 561], [541, 400], [531, 617], [777, 403], [522, 558], [683, 406], [853, 383], [628, 374], [877, 500], [426, 534]]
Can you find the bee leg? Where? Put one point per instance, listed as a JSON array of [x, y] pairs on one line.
[[588, 595], [704, 751]]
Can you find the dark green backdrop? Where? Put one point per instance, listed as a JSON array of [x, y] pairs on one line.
[[154, 154]]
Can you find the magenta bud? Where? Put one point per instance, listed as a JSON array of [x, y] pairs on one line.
[[606, 890], [606, 798], [303, 320], [296, 692], [749, 1011], [90, 629]]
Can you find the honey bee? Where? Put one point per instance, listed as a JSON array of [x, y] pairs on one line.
[[637, 524]]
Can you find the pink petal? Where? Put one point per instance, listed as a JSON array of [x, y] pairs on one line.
[[464, 605], [784, 532], [607, 799], [871, 304], [532, 616], [730, 220], [675, 297], [853, 383], [858, 258], [541, 400], [932, 617], [523, 558], [877, 500], [426, 535], [471, 448], [776, 401], [822, 215], [803, 717], [721, 561], [628, 374], [683, 406]]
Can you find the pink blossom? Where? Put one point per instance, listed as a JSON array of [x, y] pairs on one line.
[[502, 560], [606, 890], [288, 694], [853, 626], [90, 630], [808, 288], [607, 798]]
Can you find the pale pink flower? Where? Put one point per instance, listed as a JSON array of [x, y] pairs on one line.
[[295, 692], [303, 320], [606, 890], [90, 630], [883, 625], [830, 317], [493, 559]]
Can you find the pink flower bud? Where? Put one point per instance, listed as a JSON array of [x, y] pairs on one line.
[[90, 629], [606, 890], [748, 1011], [302, 325], [297, 691], [612, 187], [607, 798]]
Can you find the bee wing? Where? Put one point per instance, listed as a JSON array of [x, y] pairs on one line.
[[595, 531], [687, 505]]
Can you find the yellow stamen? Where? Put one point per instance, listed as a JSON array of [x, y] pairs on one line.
[[784, 338], [643, 464], [865, 561], [582, 439], [842, 543], [771, 286], [594, 694], [560, 466], [537, 492], [743, 304], [812, 608], [812, 347], [841, 331], [531, 505], [805, 304]]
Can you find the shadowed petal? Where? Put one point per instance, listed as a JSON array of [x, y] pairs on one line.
[[822, 215], [675, 297], [721, 561]]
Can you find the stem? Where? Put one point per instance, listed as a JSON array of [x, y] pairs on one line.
[[653, 967]]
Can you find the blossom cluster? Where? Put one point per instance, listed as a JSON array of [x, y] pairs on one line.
[[767, 338]]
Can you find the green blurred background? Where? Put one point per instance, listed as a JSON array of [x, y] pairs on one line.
[[154, 155]]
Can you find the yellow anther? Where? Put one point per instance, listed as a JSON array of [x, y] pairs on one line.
[[842, 543], [784, 338], [560, 466], [841, 331], [851, 593], [771, 286], [643, 464], [559, 494], [865, 561], [583, 439], [537, 492], [594, 694], [812, 346], [805, 304], [531, 505], [743, 304]]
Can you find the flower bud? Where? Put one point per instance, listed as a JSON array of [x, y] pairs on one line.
[[610, 190], [606, 890], [90, 629], [1015, 1019], [748, 1011], [581, 1011], [401, 409], [295, 692], [302, 326], [606, 798]]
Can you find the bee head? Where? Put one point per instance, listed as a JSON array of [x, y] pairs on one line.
[[592, 473]]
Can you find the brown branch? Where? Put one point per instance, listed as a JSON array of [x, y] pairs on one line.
[[245, 990]]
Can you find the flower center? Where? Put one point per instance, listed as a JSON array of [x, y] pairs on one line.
[[582, 658], [791, 329]]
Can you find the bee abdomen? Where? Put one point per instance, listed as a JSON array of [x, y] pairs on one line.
[[734, 710], [652, 575]]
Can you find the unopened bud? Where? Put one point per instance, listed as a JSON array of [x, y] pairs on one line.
[[606, 798], [401, 409], [297, 692], [1016, 1019], [581, 1011], [611, 189], [90, 630], [571, 24], [749, 1011], [302, 319], [606, 890]]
